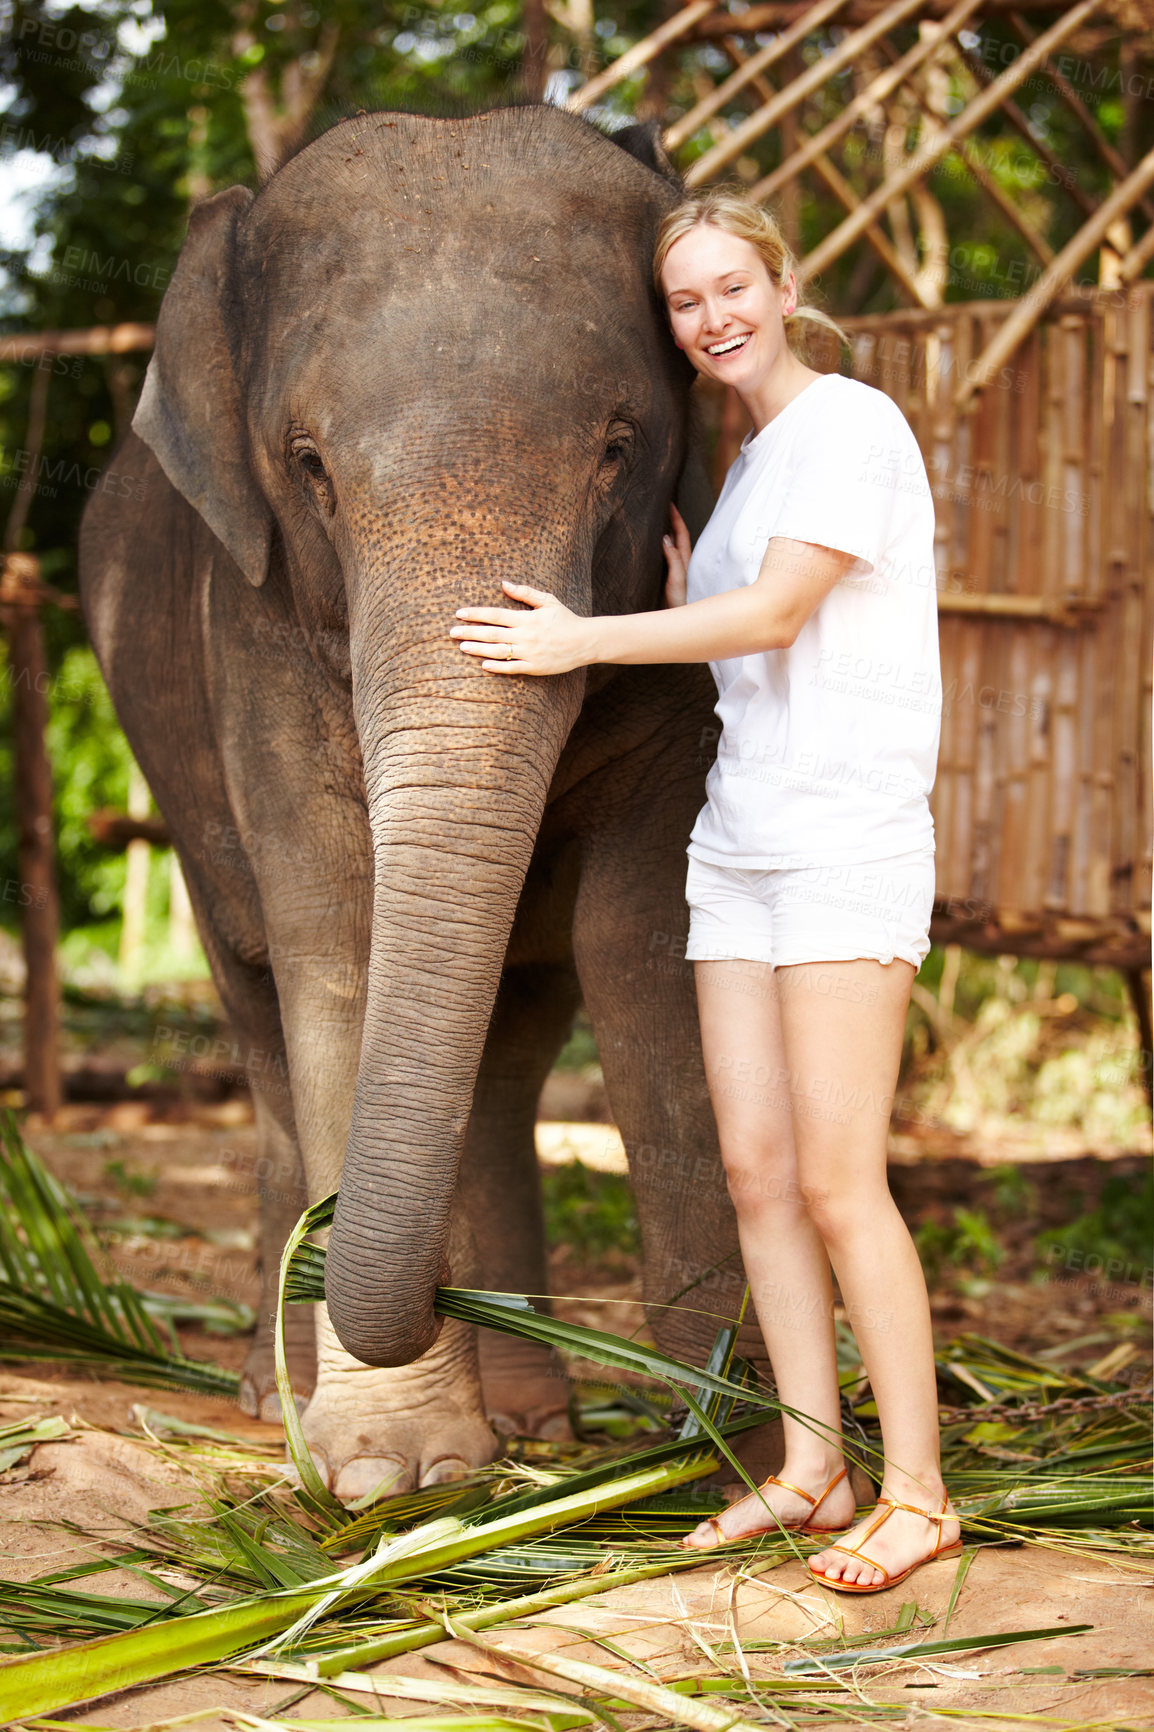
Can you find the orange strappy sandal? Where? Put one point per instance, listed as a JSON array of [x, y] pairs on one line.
[[806, 1527], [891, 1504]]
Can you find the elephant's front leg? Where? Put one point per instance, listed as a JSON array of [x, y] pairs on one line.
[[394, 1430], [418, 1423], [525, 1386]]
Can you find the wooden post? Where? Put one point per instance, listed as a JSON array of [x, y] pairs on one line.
[[39, 904], [182, 934], [534, 70], [1136, 979], [20, 595], [100, 340]]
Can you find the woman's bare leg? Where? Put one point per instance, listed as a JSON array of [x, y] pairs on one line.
[[785, 1260], [842, 1025]]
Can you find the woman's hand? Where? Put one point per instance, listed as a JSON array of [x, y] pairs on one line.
[[677, 551], [541, 638]]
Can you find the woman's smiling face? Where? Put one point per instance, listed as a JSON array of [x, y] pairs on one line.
[[723, 308]]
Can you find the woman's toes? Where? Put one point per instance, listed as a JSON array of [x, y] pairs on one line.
[[859, 1572]]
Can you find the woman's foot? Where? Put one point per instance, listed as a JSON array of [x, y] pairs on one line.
[[901, 1540], [780, 1505]]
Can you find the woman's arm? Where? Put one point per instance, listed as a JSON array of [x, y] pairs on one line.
[[768, 614]]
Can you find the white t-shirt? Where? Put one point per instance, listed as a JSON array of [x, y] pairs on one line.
[[828, 748]]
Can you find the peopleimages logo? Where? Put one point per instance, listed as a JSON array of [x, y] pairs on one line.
[[79, 264]]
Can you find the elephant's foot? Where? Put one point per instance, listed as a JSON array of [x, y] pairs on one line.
[[258, 1392], [526, 1388], [391, 1431]]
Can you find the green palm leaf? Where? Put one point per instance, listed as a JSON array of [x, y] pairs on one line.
[[55, 1301], [512, 1314], [42, 1683]]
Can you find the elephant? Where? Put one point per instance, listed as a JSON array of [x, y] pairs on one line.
[[424, 356]]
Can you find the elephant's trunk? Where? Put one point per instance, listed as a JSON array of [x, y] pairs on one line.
[[457, 768]]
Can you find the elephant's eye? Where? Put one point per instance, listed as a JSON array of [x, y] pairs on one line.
[[619, 442], [310, 466]]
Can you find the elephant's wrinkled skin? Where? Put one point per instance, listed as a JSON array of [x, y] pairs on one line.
[[425, 356]]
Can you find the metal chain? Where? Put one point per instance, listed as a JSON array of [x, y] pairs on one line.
[[1067, 1404]]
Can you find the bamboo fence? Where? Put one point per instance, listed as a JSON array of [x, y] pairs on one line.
[[1043, 494]]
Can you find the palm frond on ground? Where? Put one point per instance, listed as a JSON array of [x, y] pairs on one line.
[[59, 1301], [266, 1575]]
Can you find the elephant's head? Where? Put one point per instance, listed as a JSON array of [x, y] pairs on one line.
[[427, 356]]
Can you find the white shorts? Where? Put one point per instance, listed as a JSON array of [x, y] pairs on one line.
[[877, 909]]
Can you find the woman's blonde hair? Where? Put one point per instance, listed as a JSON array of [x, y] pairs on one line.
[[729, 209]]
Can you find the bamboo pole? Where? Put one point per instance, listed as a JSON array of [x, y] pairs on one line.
[[926, 48], [1125, 448], [1023, 608], [874, 234], [820, 73], [1081, 298], [1113, 159], [1137, 987], [1021, 125], [676, 135], [844, 193], [1032, 305], [773, 14], [99, 340], [1137, 258], [1134, 405], [642, 53], [982, 177], [923, 159]]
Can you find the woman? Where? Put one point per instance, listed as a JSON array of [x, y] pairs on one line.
[[811, 594]]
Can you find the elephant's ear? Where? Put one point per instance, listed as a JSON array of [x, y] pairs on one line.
[[694, 494], [643, 140], [191, 413]]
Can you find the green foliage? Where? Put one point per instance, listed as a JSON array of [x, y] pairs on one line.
[[58, 1299], [1013, 1192], [1116, 1235], [1026, 1045], [92, 764], [129, 1182], [580, 1050], [967, 1243], [589, 1212]]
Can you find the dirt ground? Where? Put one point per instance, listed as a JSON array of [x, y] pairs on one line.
[[195, 1170]]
